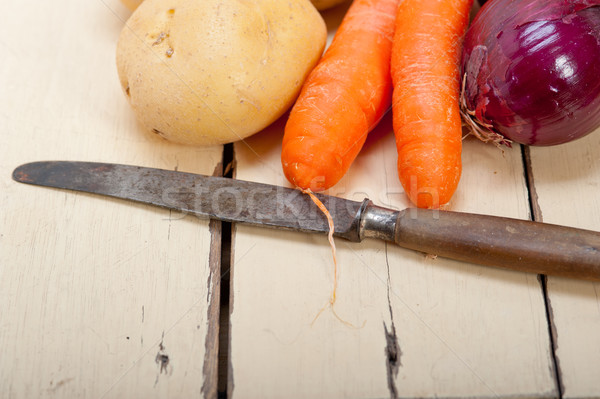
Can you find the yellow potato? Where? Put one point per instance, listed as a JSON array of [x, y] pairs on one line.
[[321, 4], [212, 71], [132, 4]]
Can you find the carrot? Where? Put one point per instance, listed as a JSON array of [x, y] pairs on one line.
[[342, 99], [425, 103]]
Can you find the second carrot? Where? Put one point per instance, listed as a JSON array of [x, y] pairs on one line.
[[426, 112]]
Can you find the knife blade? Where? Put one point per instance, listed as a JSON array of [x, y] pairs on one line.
[[487, 240]]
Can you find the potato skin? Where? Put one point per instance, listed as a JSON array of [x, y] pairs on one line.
[[319, 4], [213, 71]]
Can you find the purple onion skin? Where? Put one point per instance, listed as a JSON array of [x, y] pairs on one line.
[[532, 69]]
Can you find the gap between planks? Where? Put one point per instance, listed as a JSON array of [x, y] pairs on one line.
[[223, 364], [535, 214]]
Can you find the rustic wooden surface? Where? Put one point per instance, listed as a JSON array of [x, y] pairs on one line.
[[105, 298], [98, 297]]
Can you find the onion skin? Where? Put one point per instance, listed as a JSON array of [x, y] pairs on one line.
[[531, 69]]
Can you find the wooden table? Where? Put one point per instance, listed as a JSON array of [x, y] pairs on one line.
[[103, 298]]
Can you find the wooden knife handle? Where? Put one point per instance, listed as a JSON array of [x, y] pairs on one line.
[[503, 242]]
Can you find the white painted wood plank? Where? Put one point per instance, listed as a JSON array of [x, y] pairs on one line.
[[462, 330], [567, 183], [92, 290]]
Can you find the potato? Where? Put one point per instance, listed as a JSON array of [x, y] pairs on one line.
[[319, 4], [212, 71]]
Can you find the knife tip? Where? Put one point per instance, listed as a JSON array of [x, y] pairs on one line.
[[23, 173], [20, 174]]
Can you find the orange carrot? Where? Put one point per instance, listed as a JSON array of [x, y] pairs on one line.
[[426, 113], [342, 99]]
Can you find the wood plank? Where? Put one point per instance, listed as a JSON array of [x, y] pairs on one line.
[[459, 330], [567, 184], [98, 297]]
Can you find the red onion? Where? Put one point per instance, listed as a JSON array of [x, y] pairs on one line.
[[531, 70]]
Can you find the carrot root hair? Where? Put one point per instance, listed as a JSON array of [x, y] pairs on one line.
[[323, 209], [332, 299]]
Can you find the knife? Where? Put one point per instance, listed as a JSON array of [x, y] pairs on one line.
[[487, 240]]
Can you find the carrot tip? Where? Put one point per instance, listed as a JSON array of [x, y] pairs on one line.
[[302, 176]]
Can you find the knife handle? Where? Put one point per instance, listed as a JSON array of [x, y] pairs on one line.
[[490, 240], [503, 242]]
